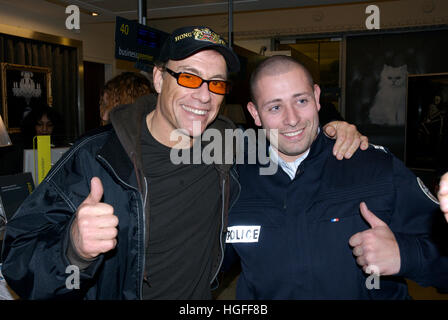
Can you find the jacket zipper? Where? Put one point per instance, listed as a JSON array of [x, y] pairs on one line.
[[144, 240], [222, 218], [222, 226], [143, 203], [239, 189], [143, 208]]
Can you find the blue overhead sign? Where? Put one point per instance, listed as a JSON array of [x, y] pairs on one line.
[[136, 42]]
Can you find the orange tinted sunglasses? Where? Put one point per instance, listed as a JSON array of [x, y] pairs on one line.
[[193, 81]]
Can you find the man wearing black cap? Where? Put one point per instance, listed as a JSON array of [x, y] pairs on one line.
[[115, 218]]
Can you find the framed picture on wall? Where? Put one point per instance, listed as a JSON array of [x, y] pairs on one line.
[[376, 76], [427, 121], [23, 87]]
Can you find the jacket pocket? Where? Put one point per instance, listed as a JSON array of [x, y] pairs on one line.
[[256, 212], [337, 206]]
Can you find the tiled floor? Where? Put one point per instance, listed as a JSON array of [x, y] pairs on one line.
[[429, 293]]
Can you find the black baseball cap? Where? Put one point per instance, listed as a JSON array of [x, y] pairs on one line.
[[185, 41]]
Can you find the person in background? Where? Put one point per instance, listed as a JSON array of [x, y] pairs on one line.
[[122, 89], [318, 227], [42, 120], [443, 195]]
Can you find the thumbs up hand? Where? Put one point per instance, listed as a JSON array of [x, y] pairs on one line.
[[376, 246], [94, 228]]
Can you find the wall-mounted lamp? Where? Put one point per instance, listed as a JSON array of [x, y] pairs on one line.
[[4, 137]]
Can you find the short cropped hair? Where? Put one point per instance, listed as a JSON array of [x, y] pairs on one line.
[[272, 65]]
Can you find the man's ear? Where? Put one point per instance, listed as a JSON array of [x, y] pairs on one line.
[[157, 78], [252, 108], [317, 96]]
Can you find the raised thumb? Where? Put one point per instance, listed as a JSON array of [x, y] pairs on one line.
[[96, 191], [370, 217]]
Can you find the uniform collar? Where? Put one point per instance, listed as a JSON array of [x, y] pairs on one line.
[[290, 168]]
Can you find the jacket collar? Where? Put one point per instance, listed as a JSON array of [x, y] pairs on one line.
[[318, 145], [115, 155], [316, 148], [127, 122]]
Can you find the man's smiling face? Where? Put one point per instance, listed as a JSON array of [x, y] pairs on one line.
[[287, 106], [180, 107]]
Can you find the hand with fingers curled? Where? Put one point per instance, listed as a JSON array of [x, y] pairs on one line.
[[443, 195], [94, 230], [348, 139], [377, 246]]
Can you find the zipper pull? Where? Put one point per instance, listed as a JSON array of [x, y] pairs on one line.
[[146, 279]]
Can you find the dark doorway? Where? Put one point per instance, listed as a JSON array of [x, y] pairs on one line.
[[93, 83]]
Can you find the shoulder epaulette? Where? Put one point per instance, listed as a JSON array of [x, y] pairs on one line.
[[377, 147]]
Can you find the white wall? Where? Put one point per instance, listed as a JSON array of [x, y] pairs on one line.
[[45, 17]]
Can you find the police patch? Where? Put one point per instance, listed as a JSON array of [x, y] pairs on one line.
[[426, 191], [377, 147], [243, 234]]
